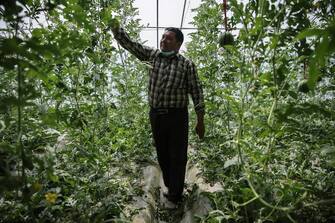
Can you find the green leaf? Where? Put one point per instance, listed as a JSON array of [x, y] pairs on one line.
[[28, 162], [231, 162], [53, 177], [38, 32], [10, 46], [10, 182], [274, 42], [309, 32], [6, 102]]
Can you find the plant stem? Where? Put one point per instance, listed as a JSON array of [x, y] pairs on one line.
[[19, 114], [285, 209]]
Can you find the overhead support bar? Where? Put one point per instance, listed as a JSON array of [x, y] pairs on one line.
[[182, 17], [164, 27]]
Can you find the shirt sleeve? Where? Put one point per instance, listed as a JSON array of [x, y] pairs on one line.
[[195, 89], [140, 51]]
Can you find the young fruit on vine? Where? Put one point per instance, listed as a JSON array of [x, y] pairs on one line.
[[303, 86], [226, 38]]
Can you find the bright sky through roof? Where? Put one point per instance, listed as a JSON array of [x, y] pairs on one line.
[[169, 14]]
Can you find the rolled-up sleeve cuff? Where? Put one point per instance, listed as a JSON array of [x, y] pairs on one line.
[[118, 32]]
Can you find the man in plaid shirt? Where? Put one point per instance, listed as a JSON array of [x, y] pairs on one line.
[[172, 77]]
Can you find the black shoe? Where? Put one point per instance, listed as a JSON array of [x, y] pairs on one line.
[[166, 194], [172, 199]]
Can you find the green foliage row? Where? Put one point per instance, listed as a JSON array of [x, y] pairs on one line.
[[270, 142], [73, 118], [72, 112]]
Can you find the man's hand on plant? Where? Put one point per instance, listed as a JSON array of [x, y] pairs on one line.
[[114, 24]]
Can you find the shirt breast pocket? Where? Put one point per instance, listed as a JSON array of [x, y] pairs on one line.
[[177, 80]]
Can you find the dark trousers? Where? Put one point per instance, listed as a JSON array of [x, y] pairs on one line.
[[170, 133]]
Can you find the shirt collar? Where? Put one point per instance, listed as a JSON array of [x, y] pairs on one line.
[[168, 54]]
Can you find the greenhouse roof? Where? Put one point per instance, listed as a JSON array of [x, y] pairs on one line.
[[176, 13]]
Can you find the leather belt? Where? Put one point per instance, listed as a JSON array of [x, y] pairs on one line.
[[164, 111]]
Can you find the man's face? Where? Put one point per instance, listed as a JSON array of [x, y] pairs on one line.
[[169, 42]]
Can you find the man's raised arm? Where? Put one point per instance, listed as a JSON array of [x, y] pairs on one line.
[[143, 53]]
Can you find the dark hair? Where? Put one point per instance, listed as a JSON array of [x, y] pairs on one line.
[[178, 32]]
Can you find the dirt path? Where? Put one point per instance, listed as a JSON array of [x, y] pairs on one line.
[[155, 208]]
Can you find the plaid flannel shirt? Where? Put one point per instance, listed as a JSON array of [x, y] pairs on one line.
[[171, 78]]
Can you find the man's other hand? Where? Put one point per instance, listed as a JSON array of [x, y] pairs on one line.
[[200, 129]]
